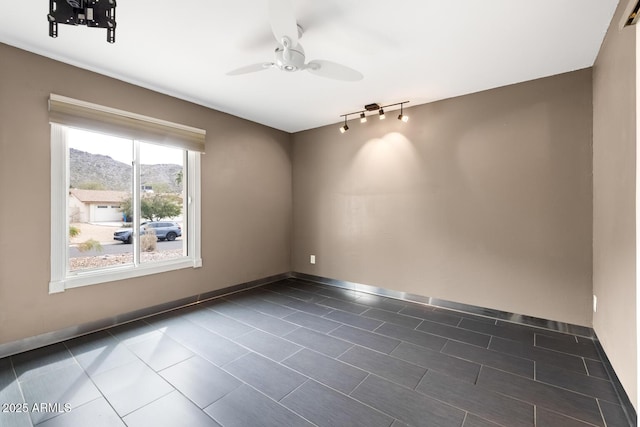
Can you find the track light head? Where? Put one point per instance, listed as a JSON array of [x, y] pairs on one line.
[[381, 113], [344, 127], [363, 118], [402, 117]]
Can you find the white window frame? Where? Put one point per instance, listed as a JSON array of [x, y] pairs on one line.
[[61, 277]]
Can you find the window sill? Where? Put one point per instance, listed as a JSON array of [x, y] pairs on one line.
[[112, 274]]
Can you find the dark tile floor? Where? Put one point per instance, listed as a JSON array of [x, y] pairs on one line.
[[295, 353]]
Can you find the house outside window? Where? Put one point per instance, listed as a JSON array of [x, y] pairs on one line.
[[107, 224]]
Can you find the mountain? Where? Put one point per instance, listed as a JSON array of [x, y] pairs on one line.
[[100, 172]]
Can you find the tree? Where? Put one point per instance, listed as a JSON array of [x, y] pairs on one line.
[[158, 206], [178, 178], [154, 207]]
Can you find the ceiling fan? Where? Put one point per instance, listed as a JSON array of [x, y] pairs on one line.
[[289, 54]]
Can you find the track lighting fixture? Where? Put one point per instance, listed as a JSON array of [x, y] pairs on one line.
[[374, 107]]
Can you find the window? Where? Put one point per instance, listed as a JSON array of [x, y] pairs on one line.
[[125, 194]]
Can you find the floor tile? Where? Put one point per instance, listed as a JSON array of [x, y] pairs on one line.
[[97, 413], [613, 415], [390, 368], [439, 362], [131, 386], [310, 308], [297, 294], [343, 305], [42, 360], [495, 359], [10, 393], [170, 410], [100, 353], [269, 308], [215, 322], [469, 397], [321, 343], [353, 320], [7, 375], [133, 331], [475, 421], [505, 330], [326, 370], [395, 318], [214, 348], [454, 333], [537, 331], [267, 376], [326, 407], [428, 313], [246, 407], [549, 397], [406, 405], [67, 385], [409, 335], [310, 321], [253, 318], [596, 369], [338, 293], [382, 303], [546, 418], [540, 355], [464, 315], [591, 386], [366, 339], [160, 352], [268, 345], [201, 381], [583, 349]]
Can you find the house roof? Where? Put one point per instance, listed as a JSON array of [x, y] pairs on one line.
[[97, 196]]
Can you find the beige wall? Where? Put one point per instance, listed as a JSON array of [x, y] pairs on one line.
[[483, 199], [246, 199], [614, 194]]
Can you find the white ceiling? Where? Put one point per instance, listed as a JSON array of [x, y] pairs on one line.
[[416, 50]]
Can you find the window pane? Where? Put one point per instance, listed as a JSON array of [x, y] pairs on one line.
[[100, 181], [162, 209]]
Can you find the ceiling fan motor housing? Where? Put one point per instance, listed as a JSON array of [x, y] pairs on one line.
[[291, 59]]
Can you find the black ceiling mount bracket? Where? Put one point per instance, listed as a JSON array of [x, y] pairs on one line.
[[92, 13], [372, 107]]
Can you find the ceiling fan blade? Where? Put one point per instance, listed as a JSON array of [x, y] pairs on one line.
[[283, 21], [250, 68], [332, 70]]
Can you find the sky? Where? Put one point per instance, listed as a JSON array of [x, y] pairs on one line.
[[120, 149]]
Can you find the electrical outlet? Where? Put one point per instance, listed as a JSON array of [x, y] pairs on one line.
[[312, 259], [595, 303]]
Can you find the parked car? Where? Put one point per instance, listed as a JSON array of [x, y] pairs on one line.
[[168, 230]]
